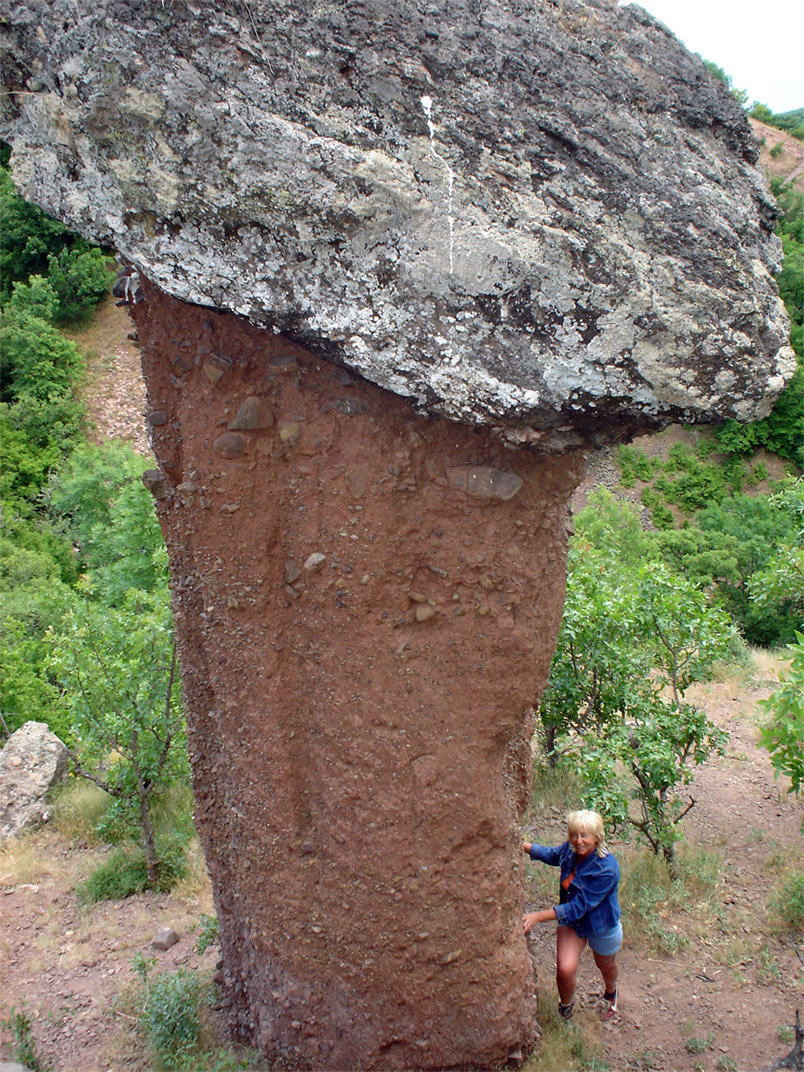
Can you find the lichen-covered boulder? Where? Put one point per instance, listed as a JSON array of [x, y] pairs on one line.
[[32, 761], [546, 217]]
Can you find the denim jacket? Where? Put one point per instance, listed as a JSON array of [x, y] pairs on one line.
[[590, 906]]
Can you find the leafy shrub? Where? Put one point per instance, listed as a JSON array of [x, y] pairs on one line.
[[80, 277], [208, 927], [125, 873], [33, 598], [110, 516], [783, 735], [28, 236], [634, 465], [35, 298], [782, 431], [614, 527], [697, 485], [747, 531], [36, 436], [789, 903], [37, 359], [23, 1050], [171, 1016], [662, 516]]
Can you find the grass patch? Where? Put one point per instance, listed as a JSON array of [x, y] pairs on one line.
[[208, 931], [553, 787], [788, 904], [23, 1048], [121, 874], [78, 808], [766, 967], [699, 1045], [785, 1033], [661, 912], [563, 1044], [22, 860], [194, 886]]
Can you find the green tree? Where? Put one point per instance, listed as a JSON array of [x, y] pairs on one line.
[[757, 529], [781, 580], [682, 632], [783, 734], [614, 528], [34, 298], [37, 359], [33, 599], [116, 668], [99, 496], [629, 637], [80, 277], [28, 236], [597, 658], [658, 743]]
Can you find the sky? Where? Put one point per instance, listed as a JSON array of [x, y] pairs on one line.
[[759, 44]]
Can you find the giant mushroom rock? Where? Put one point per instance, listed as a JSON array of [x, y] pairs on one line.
[[394, 267]]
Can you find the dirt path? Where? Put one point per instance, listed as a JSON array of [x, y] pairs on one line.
[[735, 983], [70, 967], [115, 390]]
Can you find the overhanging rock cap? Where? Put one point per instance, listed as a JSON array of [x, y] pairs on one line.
[[546, 218]]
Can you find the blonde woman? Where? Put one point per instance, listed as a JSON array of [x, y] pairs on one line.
[[588, 911]]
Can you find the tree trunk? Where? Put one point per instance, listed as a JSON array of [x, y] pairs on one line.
[[148, 836], [550, 734]]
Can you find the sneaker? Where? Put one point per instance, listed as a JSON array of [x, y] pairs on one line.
[[609, 1010], [566, 1011]]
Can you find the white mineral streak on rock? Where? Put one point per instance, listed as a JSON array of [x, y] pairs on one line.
[[427, 106]]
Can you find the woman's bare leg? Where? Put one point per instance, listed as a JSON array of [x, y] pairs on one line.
[[608, 969], [569, 947]]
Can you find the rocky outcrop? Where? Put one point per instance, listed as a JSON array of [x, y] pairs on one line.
[[366, 600], [544, 217], [391, 266], [32, 761]]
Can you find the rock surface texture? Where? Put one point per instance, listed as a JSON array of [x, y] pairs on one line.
[[367, 601], [392, 266], [32, 761], [541, 216]]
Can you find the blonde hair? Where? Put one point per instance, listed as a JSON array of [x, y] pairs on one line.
[[592, 823]]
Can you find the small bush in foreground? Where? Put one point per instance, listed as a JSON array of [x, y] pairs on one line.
[[208, 933], [789, 903], [121, 875], [24, 1048], [171, 1016], [174, 1023]]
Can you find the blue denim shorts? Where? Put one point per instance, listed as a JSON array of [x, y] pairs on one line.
[[607, 942]]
